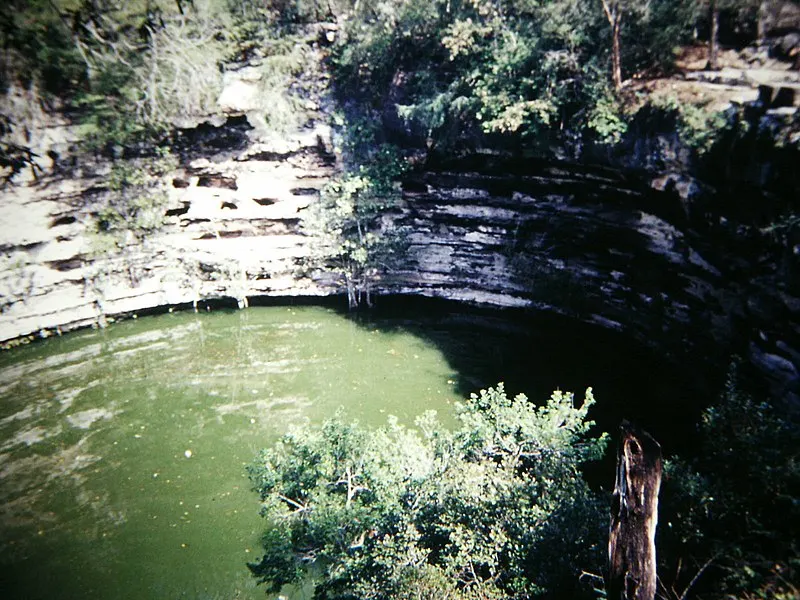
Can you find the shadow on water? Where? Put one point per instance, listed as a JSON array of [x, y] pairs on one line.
[[102, 423], [537, 352]]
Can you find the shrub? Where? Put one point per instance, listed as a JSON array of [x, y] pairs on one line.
[[496, 508], [135, 205], [726, 513]]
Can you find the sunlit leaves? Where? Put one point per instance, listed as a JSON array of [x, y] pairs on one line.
[[431, 512], [462, 37], [605, 120], [352, 240]]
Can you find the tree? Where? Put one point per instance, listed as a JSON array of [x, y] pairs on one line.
[[618, 12], [615, 10], [496, 508], [741, 10], [726, 513], [512, 70], [634, 517], [351, 237], [646, 33], [713, 37]]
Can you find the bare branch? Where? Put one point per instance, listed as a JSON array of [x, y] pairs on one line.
[[295, 503], [607, 8], [698, 574]]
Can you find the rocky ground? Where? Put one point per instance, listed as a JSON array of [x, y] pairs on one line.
[[736, 82]]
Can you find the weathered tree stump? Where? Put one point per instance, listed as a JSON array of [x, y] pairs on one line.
[[634, 516]]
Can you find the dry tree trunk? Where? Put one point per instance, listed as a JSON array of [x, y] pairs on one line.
[[634, 516], [616, 58], [763, 16], [713, 38], [614, 15]]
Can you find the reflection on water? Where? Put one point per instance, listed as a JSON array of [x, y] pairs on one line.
[[122, 451]]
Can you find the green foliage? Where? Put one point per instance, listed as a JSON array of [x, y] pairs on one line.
[[472, 67], [351, 237], [37, 46], [150, 65], [725, 513], [136, 203], [454, 71], [180, 74], [279, 13], [284, 83], [654, 31], [130, 68], [515, 69], [495, 509], [605, 120], [107, 119], [698, 126], [278, 42]]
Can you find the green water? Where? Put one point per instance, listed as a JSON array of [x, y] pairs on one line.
[[122, 451]]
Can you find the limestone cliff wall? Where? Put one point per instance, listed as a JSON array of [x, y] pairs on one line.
[[640, 255], [644, 257], [232, 230]]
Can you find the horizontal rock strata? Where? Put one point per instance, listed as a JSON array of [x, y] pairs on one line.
[[642, 257]]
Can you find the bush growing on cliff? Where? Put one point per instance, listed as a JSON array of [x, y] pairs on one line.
[[135, 204], [495, 509], [149, 65], [130, 68], [354, 237], [699, 126]]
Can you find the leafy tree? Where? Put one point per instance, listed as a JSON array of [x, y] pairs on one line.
[[653, 30], [727, 513], [698, 125], [495, 509], [504, 71], [351, 237]]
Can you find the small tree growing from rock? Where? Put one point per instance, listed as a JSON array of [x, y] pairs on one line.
[[355, 237]]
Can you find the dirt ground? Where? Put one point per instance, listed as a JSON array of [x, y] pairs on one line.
[[735, 82]]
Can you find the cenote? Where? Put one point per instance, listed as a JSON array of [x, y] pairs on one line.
[[124, 449]]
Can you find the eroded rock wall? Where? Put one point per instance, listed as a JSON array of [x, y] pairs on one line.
[[232, 230], [645, 256], [641, 257]]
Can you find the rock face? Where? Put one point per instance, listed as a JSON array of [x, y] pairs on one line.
[[645, 256], [232, 230], [589, 243]]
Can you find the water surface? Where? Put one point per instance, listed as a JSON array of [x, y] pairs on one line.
[[122, 451]]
